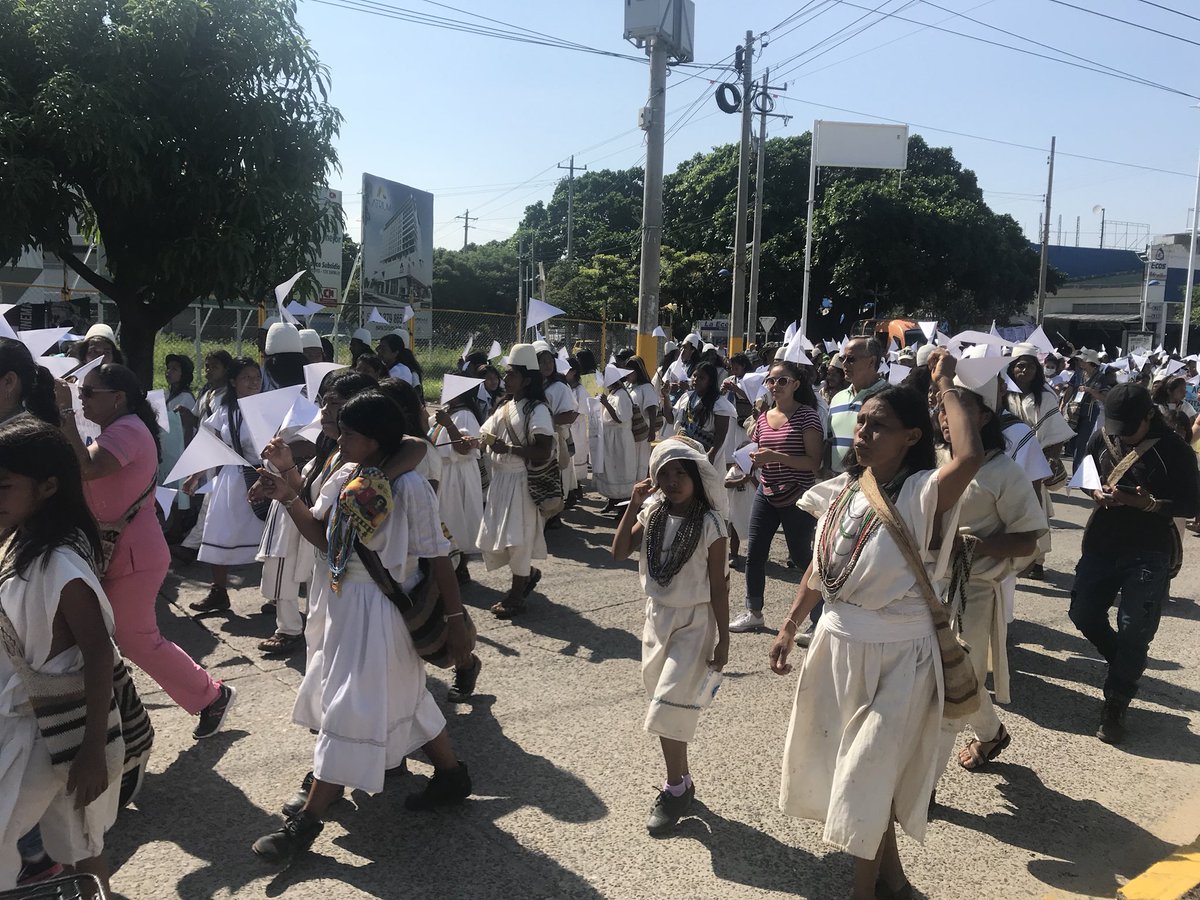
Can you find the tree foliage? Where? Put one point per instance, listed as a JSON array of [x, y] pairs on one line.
[[193, 136], [923, 242]]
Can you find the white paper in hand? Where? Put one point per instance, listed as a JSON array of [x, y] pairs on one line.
[[39, 340], [658, 332], [407, 314], [1086, 477], [495, 351], [264, 413], [377, 317], [897, 374], [87, 367], [539, 312], [165, 498], [677, 372], [58, 366], [928, 328], [752, 384], [978, 371], [741, 456], [296, 424], [158, 402], [454, 385], [314, 374]]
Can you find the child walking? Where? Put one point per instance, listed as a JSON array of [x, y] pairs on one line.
[[677, 517], [56, 621]]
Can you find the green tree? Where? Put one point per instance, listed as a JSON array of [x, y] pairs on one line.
[[481, 278], [192, 136]]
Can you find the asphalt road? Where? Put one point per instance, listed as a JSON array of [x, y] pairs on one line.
[[564, 775]]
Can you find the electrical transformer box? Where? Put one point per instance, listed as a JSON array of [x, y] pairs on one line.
[[671, 21]]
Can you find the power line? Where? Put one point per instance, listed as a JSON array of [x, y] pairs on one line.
[[1094, 12], [1027, 52], [782, 65], [1171, 10]]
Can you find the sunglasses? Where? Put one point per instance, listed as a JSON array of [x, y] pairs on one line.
[[87, 393], [781, 380]]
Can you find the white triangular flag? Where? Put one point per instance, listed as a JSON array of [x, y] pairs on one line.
[[928, 328], [467, 349], [539, 312], [795, 352], [296, 308], [299, 420], [613, 374], [563, 354], [158, 402], [831, 346], [1086, 477], [563, 366], [1010, 385], [165, 498], [39, 340], [897, 374], [1038, 339], [377, 316], [408, 314], [1139, 361], [677, 372], [496, 350], [60, 366], [790, 333], [752, 385], [80, 373], [658, 332], [206, 451], [453, 385], [314, 374], [264, 413], [6, 329]]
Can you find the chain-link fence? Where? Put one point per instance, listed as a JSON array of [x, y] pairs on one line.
[[439, 336]]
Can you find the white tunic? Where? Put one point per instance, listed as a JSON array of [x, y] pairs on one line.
[[364, 691], [579, 433], [510, 519], [460, 495], [620, 455], [232, 533], [561, 399], [30, 789], [866, 721], [646, 397]]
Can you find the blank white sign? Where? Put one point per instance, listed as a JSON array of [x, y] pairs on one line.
[[859, 145]]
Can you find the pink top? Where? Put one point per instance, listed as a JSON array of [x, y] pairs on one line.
[[141, 546]]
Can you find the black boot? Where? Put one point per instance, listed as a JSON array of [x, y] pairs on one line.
[[1112, 721], [445, 788], [294, 838]]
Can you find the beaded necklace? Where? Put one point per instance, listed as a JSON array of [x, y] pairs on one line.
[[664, 564], [842, 521]]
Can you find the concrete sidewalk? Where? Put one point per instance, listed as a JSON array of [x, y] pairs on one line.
[[564, 775]]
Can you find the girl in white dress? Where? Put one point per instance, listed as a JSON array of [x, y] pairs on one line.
[[680, 530], [287, 558], [563, 413], [615, 481], [232, 532], [862, 746], [518, 432], [461, 493], [645, 398], [59, 622], [704, 415], [365, 692]]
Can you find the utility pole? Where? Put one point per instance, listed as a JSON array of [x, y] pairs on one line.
[[520, 288], [1041, 301], [737, 328], [653, 121], [467, 220], [571, 201], [765, 104]]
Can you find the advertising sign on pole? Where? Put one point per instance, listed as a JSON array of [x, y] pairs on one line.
[[328, 268], [397, 247]]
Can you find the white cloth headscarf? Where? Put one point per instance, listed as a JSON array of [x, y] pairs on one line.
[[680, 448]]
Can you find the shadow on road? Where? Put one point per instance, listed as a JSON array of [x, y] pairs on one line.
[[1092, 844]]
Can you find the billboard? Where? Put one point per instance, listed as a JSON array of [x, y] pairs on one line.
[[860, 145], [328, 268], [397, 243]]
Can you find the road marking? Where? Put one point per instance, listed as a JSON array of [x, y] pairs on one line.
[[1169, 879]]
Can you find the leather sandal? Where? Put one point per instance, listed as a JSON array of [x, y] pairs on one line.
[[511, 605], [976, 759]]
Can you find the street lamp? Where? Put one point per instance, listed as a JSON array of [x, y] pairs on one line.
[[1099, 210]]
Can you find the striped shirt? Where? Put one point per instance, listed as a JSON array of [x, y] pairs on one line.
[[782, 485], [843, 417]]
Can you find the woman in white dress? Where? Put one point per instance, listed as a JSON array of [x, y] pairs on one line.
[[461, 492], [287, 558], [616, 479], [645, 398], [862, 746], [580, 432], [364, 693], [232, 532], [517, 433], [1037, 406], [563, 413], [704, 415], [999, 523]]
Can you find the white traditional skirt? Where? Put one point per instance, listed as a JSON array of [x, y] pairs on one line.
[[642, 466], [364, 689], [741, 504], [232, 533], [460, 499], [511, 527], [863, 739], [677, 643], [616, 479]]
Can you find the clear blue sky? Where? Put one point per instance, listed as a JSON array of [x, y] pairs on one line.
[[482, 123]]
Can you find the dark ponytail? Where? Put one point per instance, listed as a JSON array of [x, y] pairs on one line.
[[116, 377], [37, 384]]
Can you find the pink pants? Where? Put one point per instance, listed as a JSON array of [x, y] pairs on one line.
[[133, 598]]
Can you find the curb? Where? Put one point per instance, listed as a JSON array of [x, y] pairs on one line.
[[1169, 879]]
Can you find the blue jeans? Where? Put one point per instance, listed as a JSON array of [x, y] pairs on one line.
[[30, 845], [765, 519], [1142, 580]]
